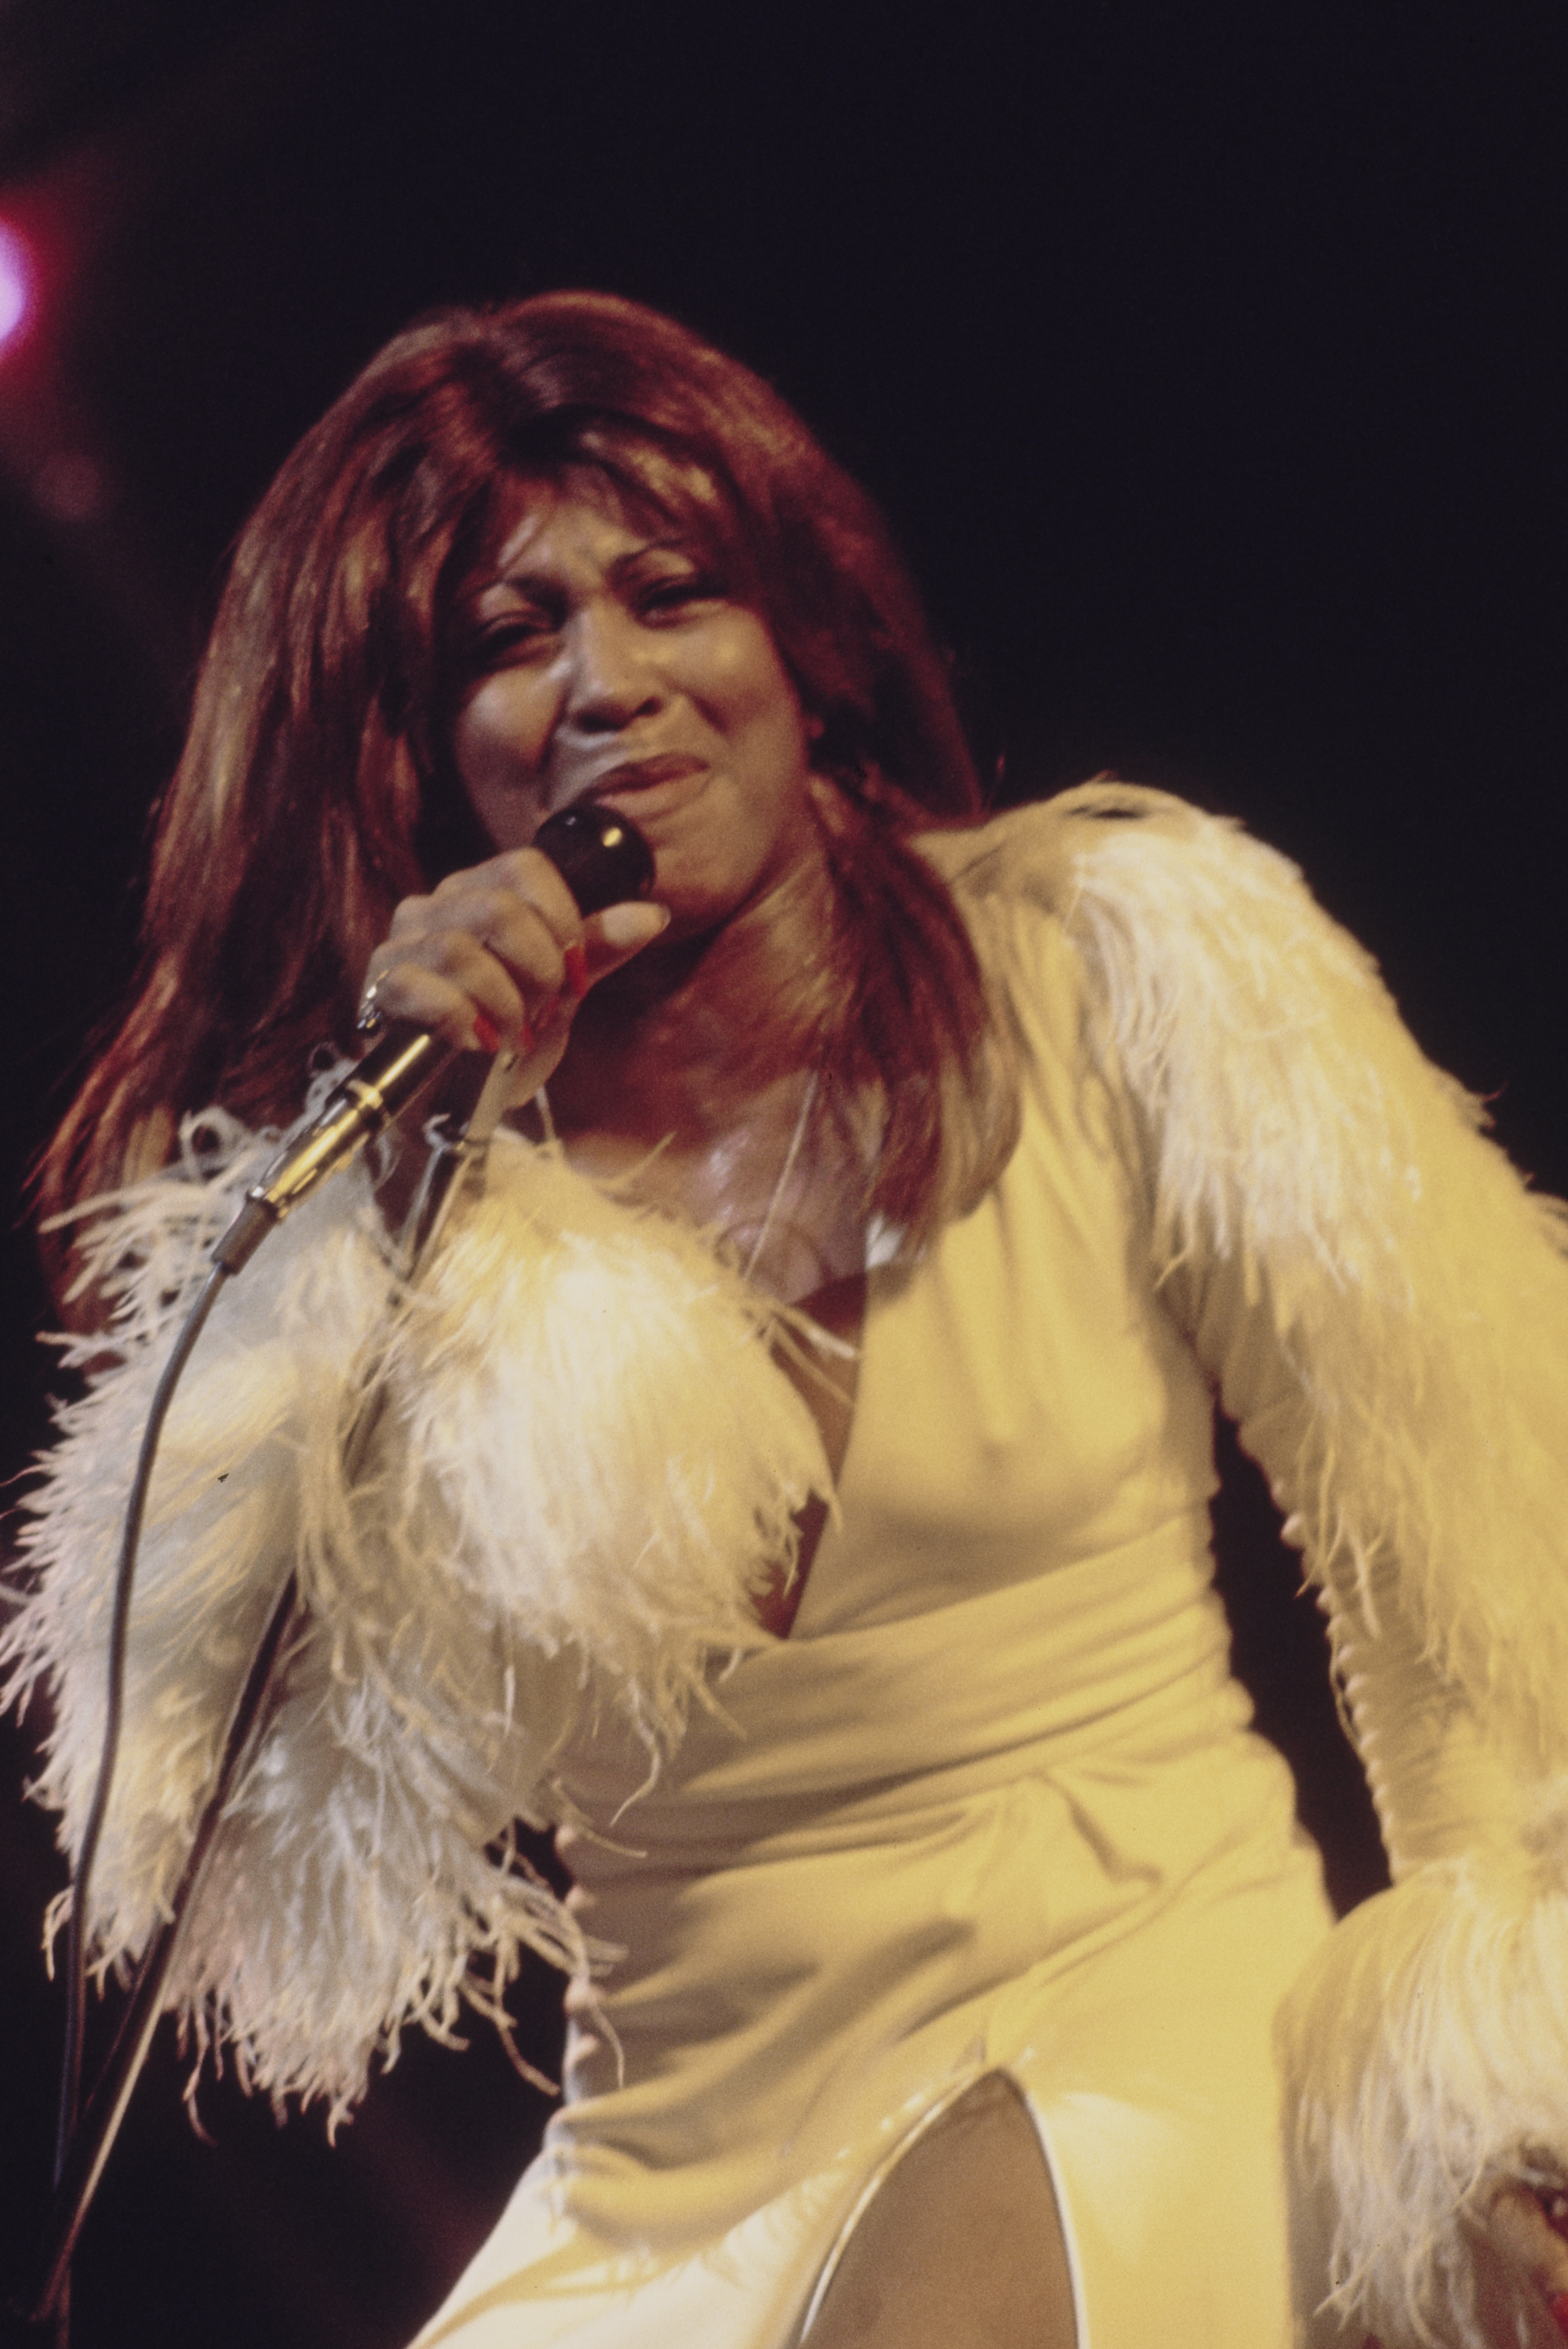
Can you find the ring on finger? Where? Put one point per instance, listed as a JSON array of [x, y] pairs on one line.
[[369, 1019]]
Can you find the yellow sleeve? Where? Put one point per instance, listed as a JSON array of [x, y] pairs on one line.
[[1382, 1304]]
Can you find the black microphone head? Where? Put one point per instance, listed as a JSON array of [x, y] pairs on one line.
[[602, 856]]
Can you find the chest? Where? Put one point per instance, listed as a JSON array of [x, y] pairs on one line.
[[1023, 1397], [778, 1187]]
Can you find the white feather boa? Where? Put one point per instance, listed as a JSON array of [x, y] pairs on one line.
[[1429, 2049], [1310, 1169], [586, 1466], [1415, 1289]]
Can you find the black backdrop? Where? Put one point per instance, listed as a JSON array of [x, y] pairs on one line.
[[1208, 360]]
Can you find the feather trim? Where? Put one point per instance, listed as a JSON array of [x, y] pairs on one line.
[[1416, 1295], [1328, 1219], [1427, 2051], [1417, 1290], [585, 1465]]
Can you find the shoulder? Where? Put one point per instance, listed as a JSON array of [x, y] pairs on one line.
[[1044, 852], [1250, 1036], [1137, 880], [1030, 851]]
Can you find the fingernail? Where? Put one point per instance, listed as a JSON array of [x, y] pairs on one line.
[[1558, 2308], [632, 924], [486, 1033], [576, 960]]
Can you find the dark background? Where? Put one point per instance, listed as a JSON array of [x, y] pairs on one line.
[[1209, 360]]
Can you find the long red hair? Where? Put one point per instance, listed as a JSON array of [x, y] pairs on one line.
[[315, 788]]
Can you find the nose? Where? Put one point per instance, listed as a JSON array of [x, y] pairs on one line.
[[614, 676]]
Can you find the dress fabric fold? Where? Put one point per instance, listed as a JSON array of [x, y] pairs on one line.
[[994, 1805]]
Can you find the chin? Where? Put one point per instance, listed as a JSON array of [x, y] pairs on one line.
[[700, 900]]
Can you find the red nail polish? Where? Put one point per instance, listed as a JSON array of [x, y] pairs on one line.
[[576, 961], [487, 1031], [1558, 2307]]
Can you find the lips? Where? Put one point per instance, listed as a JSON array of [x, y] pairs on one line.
[[650, 791], [642, 774]]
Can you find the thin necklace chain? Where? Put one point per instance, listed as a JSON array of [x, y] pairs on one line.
[[797, 1141], [803, 1119]]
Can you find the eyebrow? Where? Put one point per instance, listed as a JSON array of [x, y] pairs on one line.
[[538, 581]]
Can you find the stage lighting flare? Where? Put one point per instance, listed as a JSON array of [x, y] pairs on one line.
[[15, 284]]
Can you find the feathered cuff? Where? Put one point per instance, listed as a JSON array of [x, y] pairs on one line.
[[586, 1463], [1383, 1305], [1427, 2047]]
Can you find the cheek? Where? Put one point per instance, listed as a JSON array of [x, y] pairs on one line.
[[758, 677], [750, 692], [498, 742], [502, 726]]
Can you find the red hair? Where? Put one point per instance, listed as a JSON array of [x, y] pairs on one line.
[[315, 788]]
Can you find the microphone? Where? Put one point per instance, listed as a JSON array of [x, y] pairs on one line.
[[603, 859]]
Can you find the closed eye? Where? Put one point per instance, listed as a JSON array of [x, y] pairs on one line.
[[659, 598], [509, 637]]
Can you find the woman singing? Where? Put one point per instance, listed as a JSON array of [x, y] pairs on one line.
[[792, 1469]]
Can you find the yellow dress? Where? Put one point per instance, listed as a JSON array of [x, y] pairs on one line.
[[994, 1805]]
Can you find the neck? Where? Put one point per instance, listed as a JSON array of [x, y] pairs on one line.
[[683, 1040]]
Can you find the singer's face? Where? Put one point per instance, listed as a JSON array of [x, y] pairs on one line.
[[601, 660]]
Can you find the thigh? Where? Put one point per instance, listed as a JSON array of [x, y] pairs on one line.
[[961, 2245]]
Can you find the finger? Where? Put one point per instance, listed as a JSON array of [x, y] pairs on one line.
[[456, 986], [1533, 2246], [534, 876], [500, 981], [499, 948], [613, 937], [609, 939], [478, 962], [1530, 2238], [470, 1019], [499, 920], [523, 876]]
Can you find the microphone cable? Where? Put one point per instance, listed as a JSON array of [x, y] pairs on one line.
[[603, 859]]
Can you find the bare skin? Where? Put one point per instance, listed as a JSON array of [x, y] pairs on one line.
[[1529, 2240], [1521, 2271], [961, 2247], [608, 667], [677, 1039]]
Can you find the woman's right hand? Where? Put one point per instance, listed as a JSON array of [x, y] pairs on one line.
[[498, 955], [1522, 2269]]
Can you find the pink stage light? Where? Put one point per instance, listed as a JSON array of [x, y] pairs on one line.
[[15, 284]]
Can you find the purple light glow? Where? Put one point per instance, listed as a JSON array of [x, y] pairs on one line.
[[15, 284]]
